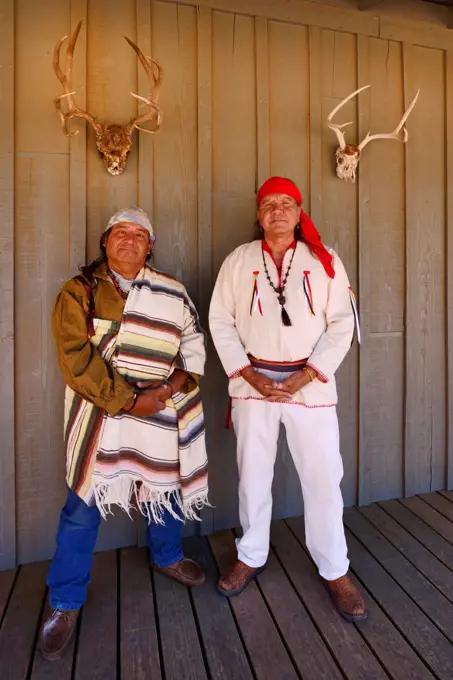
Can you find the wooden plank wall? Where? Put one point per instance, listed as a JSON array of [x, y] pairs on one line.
[[7, 462], [247, 89]]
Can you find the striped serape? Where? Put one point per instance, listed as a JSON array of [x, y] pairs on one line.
[[116, 459]]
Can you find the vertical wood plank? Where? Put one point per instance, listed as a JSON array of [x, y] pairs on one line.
[[111, 76], [205, 273], [145, 142], [174, 40], [77, 146], [425, 274], [449, 246], [41, 233], [7, 466], [39, 25], [289, 102], [381, 274], [316, 123], [204, 66], [363, 77], [262, 99], [42, 248], [234, 156], [338, 226], [234, 147]]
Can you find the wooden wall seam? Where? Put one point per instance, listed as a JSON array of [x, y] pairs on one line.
[[425, 412], [415, 33], [144, 141], [77, 147], [314, 41], [449, 259], [205, 264], [7, 413], [204, 68], [304, 12], [262, 100], [382, 23], [381, 266], [363, 289], [145, 145]]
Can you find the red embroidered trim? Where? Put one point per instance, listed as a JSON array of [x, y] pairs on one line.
[[295, 403], [236, 373], [323, 378], [255, 295]]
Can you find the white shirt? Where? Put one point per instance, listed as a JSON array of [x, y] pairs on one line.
[[245, 318]]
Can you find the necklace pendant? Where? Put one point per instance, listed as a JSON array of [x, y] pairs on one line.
[[281, 299]]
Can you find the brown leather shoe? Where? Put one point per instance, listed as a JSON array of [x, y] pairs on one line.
[[57, 632], [347, 599], [185, 571], [238, 578]]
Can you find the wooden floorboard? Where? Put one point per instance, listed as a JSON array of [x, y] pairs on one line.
[[227, 660], [97, 644], [427, 563], [440, 503], [448, 495], [344, 640], [432, 517], [430, 600], [139, 625], [394, 653], [410, 620], [20, 624], [307, 648], [266, 650], [429, 538], [181, 647], [139, 644], [6, 584]]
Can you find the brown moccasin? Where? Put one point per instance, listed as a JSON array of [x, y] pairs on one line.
[[186, 571], [347, 599], [238, 578]]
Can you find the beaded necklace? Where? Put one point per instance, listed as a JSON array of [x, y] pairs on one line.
[[116, 283], [281, 289]]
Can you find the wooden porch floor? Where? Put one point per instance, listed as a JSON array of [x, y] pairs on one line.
[[138, 626]]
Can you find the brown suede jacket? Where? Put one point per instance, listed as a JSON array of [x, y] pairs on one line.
[[84, 370]]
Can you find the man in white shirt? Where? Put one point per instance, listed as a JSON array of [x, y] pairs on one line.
[[282, 320]]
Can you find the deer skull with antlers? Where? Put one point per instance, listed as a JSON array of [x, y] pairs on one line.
[[348, 155], [113, 141]]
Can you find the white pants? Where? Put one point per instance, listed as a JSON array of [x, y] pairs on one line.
[[313, 439]]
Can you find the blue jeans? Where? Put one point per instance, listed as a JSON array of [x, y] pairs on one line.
[[69, 573]]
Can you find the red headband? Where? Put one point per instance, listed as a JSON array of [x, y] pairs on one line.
[[280, 185]]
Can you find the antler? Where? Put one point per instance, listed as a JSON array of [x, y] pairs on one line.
[[66, 80], [337, 128], [155, 79], [396, 131]]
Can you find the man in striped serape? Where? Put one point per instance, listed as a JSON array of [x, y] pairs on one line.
[[131, 351], [282, 320]]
